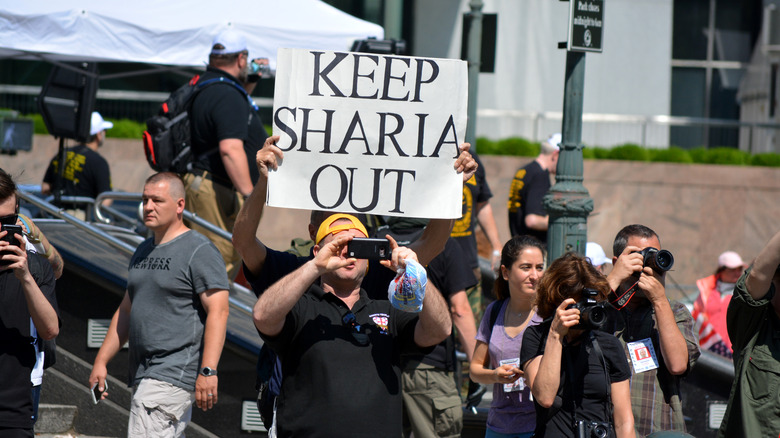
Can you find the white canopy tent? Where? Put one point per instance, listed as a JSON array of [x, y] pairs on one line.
[[172, 32]]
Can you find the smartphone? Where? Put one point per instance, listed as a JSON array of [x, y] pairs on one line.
[[372, 249], [10, 237], [96, 393]]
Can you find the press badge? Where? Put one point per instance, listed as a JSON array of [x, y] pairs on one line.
[[643, 355], [518, 384]]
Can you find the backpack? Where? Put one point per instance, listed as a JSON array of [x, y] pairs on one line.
[[167, 138]]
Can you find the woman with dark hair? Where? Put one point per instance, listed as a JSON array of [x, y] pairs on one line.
[[496, 356], [578, 375]]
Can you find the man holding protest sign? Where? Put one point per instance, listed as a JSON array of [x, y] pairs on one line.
[[365, 161]]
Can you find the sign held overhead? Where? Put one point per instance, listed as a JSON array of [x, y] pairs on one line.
[[368, 133]]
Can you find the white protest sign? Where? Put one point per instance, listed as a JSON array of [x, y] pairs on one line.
[[368, 133]]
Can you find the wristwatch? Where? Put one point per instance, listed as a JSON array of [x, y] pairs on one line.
[[206, 371]]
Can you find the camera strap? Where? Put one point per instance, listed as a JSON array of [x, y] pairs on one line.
[[582, 365], [619, 302]]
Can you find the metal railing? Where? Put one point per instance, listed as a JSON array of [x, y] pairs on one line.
[[99, 211]]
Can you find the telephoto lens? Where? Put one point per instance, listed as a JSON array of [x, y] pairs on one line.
[[660, 260]]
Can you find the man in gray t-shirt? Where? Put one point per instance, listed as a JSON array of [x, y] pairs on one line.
[[174, 314]]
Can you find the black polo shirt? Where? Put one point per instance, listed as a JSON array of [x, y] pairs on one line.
[[221, 112], [332, 385]]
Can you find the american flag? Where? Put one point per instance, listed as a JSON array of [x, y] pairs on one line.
[[708, 337]]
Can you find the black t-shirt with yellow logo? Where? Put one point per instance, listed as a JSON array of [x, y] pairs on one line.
[[475, 192]]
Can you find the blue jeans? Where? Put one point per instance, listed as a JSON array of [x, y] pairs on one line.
[[490, 433]]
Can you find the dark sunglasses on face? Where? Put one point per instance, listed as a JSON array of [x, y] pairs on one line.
[[349, 320], [9, 220]]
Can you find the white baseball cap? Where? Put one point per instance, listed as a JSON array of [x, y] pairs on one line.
[[555, 141], [98, 124], [731, 260], [231, 42], [595, 253]]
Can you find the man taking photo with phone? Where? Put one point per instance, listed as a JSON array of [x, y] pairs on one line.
[[341, 350], [26, 293]]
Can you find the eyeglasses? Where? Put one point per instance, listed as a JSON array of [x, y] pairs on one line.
[[361, 337], [9, 220]]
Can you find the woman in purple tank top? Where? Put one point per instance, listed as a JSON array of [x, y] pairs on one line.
[[496, 357]]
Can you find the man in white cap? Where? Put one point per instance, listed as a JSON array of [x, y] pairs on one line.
[[86, 171], [709, 309], [226, 134], [595, 253], [531, 182]]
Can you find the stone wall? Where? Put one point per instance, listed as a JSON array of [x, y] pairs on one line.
[[698, 210]]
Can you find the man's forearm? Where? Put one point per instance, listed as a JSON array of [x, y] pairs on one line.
[[275, 303], [252, 251], [116, 336], [434, 324], [673, 345], [463, 320], [236, 164], [41, 311], [432, 240], [760, 277], [214, 334], [488, 224]]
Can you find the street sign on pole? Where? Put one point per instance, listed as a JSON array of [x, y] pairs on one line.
[[586, 26]]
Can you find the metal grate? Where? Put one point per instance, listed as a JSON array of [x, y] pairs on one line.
[[96, 332], [715, 414], [250, 418]]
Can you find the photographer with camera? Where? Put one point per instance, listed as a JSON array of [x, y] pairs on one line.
[[578, 374], [657, 333]]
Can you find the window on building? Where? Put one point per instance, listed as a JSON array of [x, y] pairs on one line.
[[711, 46]]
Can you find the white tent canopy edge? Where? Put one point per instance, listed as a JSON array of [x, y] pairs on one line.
[[170, 33]]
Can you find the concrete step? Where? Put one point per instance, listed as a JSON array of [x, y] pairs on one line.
[[64, 387], [67, 435], [55, 419]]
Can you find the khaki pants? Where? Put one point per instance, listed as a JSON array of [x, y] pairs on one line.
[[159, 409], [220, 206], [432, 403]]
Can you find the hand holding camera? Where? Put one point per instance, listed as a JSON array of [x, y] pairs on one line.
[[566, 317], [593, 314]]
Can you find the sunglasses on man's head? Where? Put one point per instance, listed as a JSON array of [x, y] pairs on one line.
[[349, 320], [9, 220]]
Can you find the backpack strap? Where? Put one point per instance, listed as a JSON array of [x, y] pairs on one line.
[[200, 86], [223, 80]]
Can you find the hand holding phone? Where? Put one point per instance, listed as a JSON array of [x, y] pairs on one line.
[[10, 237], [96, 393]]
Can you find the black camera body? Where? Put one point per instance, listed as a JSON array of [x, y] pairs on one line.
[[660, 260], [593, 429], [593, 314]]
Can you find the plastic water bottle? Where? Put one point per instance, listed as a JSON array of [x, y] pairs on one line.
[[407, 291]]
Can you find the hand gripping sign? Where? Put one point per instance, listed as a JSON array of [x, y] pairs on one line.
[[367, 133]]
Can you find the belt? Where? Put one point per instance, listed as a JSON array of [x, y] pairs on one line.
[[205, 174]]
